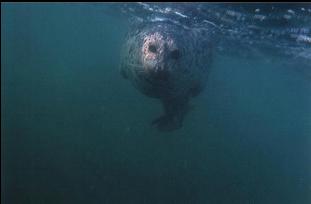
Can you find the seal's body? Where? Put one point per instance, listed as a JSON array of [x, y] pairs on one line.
[[169, 62]]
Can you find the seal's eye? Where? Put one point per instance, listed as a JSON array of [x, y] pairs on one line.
[[152, 48], [175, 54]]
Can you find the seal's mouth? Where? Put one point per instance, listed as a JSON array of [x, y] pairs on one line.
[[160, 74]]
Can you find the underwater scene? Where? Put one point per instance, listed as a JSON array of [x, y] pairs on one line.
[[156, 103]]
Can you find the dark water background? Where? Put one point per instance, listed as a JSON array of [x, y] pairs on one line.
[[74, 131]]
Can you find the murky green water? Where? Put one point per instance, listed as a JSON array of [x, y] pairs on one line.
[[74, 131]]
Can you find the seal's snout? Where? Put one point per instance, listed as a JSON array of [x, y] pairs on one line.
[[159, 68], [161, 74]]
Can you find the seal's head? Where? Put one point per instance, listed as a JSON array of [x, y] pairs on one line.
[[160, 55], [165, 60]]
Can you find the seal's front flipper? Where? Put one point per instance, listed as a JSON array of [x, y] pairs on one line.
[[174, 111], [167, 123]]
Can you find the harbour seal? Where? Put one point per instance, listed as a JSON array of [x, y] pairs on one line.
[[169, 62]]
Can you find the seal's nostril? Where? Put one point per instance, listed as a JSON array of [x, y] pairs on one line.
[[175, 54], [159, 68]]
